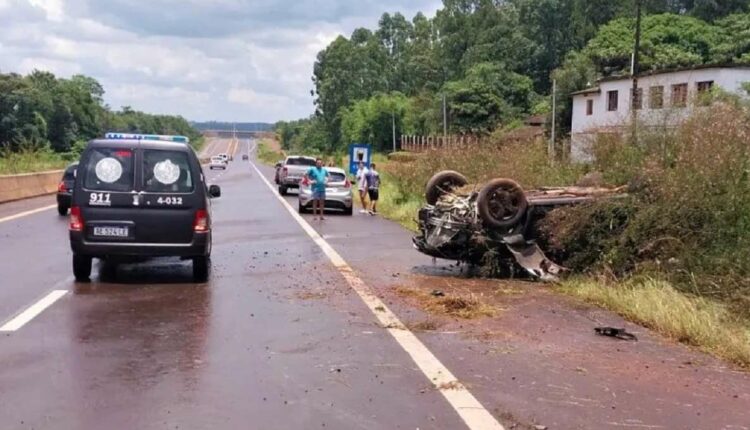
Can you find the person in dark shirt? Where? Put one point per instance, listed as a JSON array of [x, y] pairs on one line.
[[373, 188]]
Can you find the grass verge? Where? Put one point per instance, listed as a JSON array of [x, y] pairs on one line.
[[266, 153], [13, 163], [656, 304], [396, 205]]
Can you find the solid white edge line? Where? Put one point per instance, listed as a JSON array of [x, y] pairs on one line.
[[476, 416], [32, 311], [27, 213]]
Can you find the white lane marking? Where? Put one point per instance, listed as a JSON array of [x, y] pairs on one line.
[[27, 213], [463, 402], [32, 311]]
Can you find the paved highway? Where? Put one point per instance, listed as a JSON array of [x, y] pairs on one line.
[[297, 329]]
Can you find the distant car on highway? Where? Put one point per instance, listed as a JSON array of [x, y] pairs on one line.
[[137, 198], [217, 162], [292, 171], [245, 157], [65, 188], [338, 192]]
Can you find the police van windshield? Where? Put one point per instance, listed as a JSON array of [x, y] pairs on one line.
[[166, 172], [109, 169]]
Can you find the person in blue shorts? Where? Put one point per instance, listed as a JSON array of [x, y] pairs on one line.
[[318, 177]]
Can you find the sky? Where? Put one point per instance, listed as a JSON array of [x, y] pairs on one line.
[[227, 60]]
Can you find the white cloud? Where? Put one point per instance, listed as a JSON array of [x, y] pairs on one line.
[[236, 60]]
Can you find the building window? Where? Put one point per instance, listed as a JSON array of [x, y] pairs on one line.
[[637, 99], [679, 95], [589, 107], [611, 101], [704, 92], [656, 97], [705, 86]]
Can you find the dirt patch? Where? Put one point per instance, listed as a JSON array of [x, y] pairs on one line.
[[466, 305], [422, 326]]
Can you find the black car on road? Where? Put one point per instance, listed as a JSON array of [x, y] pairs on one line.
[[65, 188], [136, 198]]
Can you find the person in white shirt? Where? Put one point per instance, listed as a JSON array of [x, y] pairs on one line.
[[362, 172]]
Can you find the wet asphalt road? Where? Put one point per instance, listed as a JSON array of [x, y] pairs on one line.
[[146, 348], [278, 340]]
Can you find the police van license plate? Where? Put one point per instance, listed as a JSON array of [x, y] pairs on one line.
[[111, 231]]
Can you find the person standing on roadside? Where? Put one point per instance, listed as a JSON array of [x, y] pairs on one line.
[[318, 177], [373, 188], [362, 171]]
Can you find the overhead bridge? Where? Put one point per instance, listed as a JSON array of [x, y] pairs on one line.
[[229, 134]]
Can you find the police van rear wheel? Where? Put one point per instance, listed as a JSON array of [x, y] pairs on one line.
[[282, 190], [62, 210], [201, 267], [81, 267]]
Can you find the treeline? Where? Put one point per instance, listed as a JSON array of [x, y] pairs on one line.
[[42, 112], [493, 62]]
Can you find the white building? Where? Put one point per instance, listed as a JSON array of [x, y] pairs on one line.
[[664, 100]]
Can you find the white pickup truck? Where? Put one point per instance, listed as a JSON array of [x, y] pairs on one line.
[[292, 171]]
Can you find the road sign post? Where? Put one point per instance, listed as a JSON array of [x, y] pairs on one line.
[[359, 152]]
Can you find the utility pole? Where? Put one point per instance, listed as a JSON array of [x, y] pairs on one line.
[[634, 99], [551, 149], [445, 118]]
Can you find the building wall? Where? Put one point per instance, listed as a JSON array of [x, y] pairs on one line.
[[584, 128]]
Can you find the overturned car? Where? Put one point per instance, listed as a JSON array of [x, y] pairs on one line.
[[495, 224]]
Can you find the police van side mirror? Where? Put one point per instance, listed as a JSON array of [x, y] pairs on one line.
[[214, 191]]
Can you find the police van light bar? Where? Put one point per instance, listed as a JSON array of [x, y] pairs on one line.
[[130, 136]]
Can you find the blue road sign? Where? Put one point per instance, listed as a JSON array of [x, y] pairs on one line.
[[359, 152]]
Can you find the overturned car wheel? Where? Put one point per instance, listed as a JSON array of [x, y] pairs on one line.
[[442, 183], [501, 203]]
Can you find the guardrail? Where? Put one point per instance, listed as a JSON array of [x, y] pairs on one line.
[[17, 187]]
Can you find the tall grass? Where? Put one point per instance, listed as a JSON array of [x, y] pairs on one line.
[[656, 304], [28, 161], [689, 214]]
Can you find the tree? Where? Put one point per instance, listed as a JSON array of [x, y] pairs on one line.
[[667, 41], [371, 120], [487, 97]]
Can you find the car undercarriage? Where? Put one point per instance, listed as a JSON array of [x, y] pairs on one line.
[[495, 225]]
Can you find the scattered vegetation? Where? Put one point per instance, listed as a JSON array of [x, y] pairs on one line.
[[267, 154], [459, 305]]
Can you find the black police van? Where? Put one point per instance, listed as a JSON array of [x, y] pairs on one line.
[[137, 197]]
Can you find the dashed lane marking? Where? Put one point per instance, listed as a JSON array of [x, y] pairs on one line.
[[27, 213], [476, 416], [31, 312]]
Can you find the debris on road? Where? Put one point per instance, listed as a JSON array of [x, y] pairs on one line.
[[619, 333]]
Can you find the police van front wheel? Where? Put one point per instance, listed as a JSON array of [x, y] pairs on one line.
[[81, 267], [201, 268]]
